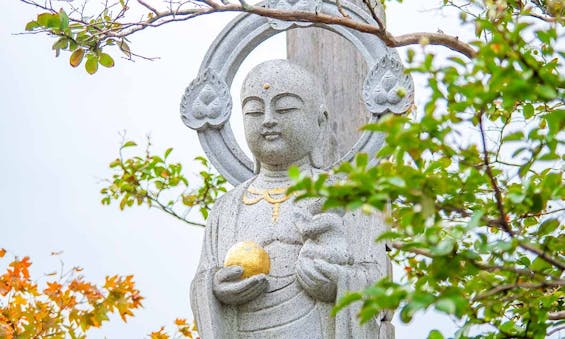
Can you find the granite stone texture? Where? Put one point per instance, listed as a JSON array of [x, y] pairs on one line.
[[315, 256]]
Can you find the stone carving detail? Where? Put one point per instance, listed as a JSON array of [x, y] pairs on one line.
[[293, 5], [206, 102], [387, 88]]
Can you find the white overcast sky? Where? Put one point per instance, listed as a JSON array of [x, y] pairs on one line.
[[59, 128]]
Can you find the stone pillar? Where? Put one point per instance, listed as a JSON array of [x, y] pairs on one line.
[[342, 69]]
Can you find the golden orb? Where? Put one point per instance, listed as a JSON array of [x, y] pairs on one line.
[[250, 256]]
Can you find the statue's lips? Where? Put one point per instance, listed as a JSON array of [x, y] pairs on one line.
[[271, 135]]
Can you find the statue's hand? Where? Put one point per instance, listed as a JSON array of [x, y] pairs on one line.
[[318, 278], [231, 290], [324, 238]]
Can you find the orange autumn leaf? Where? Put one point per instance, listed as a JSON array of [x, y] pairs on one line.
[[161, 334], [180, 322], [53, 288]]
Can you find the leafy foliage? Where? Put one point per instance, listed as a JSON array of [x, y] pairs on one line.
[[83, 38], [474, 185], [156, 182], [64, 306]]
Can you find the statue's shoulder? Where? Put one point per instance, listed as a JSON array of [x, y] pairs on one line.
[[233, 195]]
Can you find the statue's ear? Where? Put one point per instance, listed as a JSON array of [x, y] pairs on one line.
[[256, 166], [323, 118], [317, 158]]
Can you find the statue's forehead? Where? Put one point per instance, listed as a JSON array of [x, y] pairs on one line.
[[269, 85]]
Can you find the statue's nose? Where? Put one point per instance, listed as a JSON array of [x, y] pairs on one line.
[[269, 119]]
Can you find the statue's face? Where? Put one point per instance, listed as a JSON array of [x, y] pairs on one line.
[[281, 116]]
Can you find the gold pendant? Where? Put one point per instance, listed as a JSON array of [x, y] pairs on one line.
[[266, 195]]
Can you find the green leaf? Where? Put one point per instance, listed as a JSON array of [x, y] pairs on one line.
[[435, 334], [124, 47], [519, 135], [106, 60], [30, 26], [91, 64], [62, 43], [475, 219], [361, 160], [388, 235], [64, 19], [397, 181], [76, 57], [443, 248], [548, 226], [528, 111], [43, 19], [446, 305], [204, 212], [129, 144], [346, 300], [546, 92], [294, 173]]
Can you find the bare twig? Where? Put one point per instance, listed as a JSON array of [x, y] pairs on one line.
[[340, 9], [374, 15], [151, 8], [171, 212]]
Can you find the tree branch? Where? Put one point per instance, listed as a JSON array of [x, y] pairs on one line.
[[497, 193], [171, 212], [506, 287], [499, 203], [560, 315], [178, 14], [438, 39]]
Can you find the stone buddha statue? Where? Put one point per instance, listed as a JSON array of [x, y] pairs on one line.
[[315, 256]]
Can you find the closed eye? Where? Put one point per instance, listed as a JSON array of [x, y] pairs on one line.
[[254, 113], [286, 110]]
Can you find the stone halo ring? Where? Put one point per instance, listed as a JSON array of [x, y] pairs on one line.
[[207, 103]]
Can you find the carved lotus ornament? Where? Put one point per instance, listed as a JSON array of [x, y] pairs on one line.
[[206, 102], [292, 5], [387, 88]]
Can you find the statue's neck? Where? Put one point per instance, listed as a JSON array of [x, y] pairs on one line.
[[270, 177]]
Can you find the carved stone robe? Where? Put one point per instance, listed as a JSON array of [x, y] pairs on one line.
[[285, 310]]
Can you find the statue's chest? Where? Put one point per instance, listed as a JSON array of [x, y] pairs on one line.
[[278, 236], [261, 222]]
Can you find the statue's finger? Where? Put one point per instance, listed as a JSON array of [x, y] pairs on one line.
[[229, 273], [246, 284], [326, 269], [309, 275], [255, 289], [303, 280]]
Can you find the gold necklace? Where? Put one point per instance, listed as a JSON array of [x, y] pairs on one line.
[[266, 195]]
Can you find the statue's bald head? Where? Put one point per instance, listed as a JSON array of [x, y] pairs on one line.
[[281, 75]]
